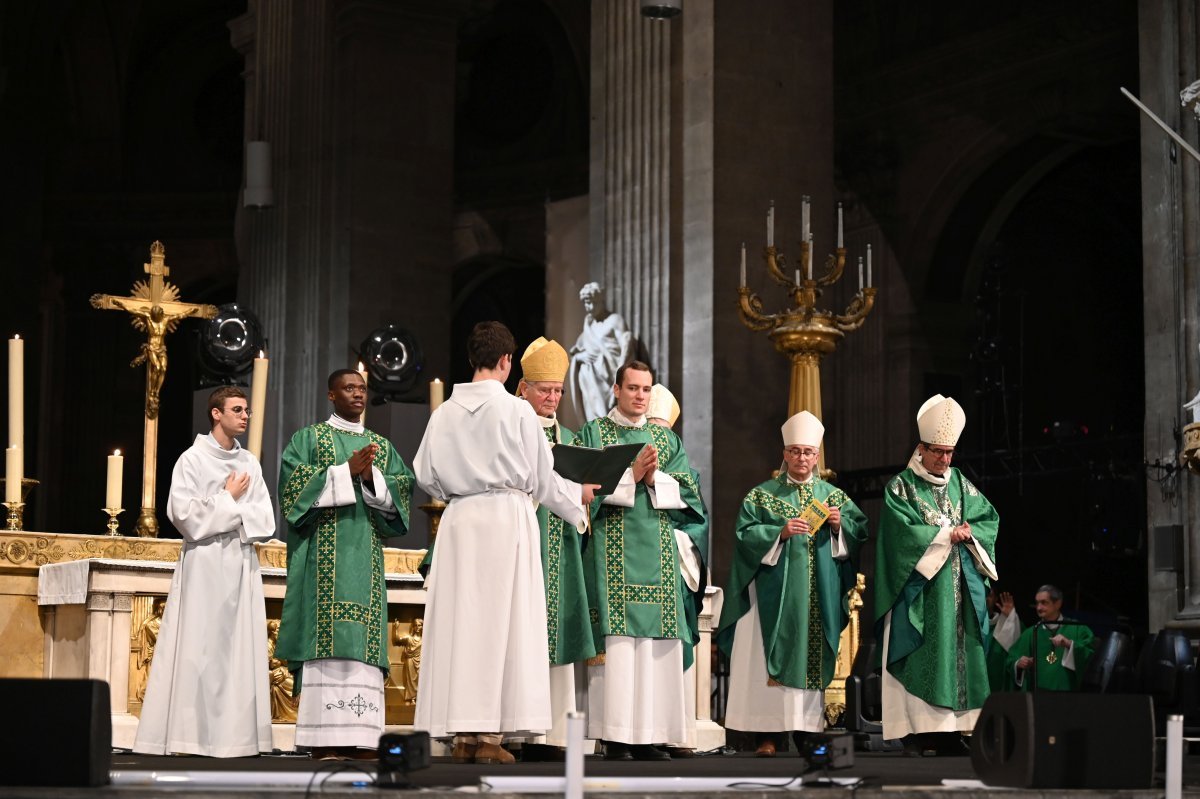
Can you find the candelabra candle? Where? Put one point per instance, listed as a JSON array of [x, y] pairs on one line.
[[840, 245], [860, 273], [869, 282], [812, 255], [771, 224], [805, 217], [743, 272]]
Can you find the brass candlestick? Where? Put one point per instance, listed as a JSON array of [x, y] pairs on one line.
[[113, 513], [805, 333], [16, 515], [435, 508]]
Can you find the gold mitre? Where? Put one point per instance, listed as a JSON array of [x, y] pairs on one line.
[[940, 421], [662, 404], [544, 359], [803, 430]]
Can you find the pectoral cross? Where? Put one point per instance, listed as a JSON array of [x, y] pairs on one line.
[[155, 308]]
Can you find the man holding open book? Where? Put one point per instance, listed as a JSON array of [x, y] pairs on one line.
[[794, 562]]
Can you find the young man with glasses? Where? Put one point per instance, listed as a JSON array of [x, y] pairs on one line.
[[207, 693], [934, 557], [786, 604]]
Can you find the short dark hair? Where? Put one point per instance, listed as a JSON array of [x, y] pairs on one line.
[[1054, 591], [636, 365], [216, 400], [489, 342], [338, 374]]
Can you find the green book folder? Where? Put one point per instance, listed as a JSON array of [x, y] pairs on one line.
[[588, 465]]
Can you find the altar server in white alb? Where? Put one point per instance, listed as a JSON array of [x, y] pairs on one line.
[[208, 692], [485, 671]]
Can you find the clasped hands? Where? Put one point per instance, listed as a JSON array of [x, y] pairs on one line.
[[798, 526], [645, 465], [961, 533], [361, 461]]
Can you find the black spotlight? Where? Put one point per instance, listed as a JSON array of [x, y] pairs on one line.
[[825, 752], [400, 754], [393, 360], [229, 343]]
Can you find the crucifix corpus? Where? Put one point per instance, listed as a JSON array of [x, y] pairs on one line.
[[156, 310]]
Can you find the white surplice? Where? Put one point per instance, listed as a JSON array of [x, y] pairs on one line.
[[208, 691], [485, 663]]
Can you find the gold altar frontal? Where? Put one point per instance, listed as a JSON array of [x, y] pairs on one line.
[[52, 640]]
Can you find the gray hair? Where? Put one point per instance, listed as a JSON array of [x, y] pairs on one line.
[[1054, 591]]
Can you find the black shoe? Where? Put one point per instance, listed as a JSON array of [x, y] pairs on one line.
[[679, 752], [615, 750], [542, 753], [647, 752]]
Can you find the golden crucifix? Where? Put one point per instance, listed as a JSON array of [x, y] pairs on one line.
[[155, 309]]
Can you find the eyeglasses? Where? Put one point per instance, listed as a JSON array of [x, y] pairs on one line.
[[237, 410], [939, 452], [800, 452]]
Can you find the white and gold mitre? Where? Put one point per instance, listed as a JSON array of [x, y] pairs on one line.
[[662, 404], [941, 421], [803, 430], [544, 359]]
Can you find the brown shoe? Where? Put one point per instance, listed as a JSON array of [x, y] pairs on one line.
[[464, 749], [765, 749], [355, 753], [325, 753], [493, 755]]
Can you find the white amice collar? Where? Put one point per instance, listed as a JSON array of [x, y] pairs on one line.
[[344, 424], [624, 421], [211, 441], [548, 421], [811, 477], [919, 469]]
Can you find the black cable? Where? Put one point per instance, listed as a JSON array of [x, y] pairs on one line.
[[329, 770]]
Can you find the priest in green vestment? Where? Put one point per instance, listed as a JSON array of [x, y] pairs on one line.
[[342, 490], [934, 556], [664, 411], [1059, 649], [787, 601], [569, 632], [1006, 629], [631, 568]]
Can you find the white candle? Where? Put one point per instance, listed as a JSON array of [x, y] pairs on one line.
[[812, 255], [797, 277], [258, 405], [869, 283], [771, 224], [805, 217], [840, 245], [743, 275], [436, 394], [362, 370], [112, 494], [13, 466], [860, 273], [16, 392]]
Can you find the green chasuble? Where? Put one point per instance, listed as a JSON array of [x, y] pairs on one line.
[[939, 626], [802, 599], [693, 601], [999, 677], [567, 625], [336, 601], [1051, 674], [631, 566]]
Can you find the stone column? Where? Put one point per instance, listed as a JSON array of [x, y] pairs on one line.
[[631, 172], [1167, 50], [356, 98]]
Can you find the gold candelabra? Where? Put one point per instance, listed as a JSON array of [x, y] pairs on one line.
[[15, 518], [805, 333]]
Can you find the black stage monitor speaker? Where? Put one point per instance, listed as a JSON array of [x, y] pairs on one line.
[[1054, 739], [56, 732]]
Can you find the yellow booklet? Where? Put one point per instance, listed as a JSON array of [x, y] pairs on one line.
[[815, 514]]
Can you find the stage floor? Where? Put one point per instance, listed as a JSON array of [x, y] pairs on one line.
[[889, 775]]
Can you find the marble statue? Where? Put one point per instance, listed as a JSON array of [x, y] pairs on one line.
[[603, 346]]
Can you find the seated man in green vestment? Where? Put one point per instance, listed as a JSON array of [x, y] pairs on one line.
[[787, 601], [1060, 649], [342, 490], [631, 569], [934, 556], [1006, 629]]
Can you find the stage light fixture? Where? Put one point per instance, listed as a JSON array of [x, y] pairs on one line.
[[400, 754], [661, 9], [228, 344], [825, 752], [394, 362]]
